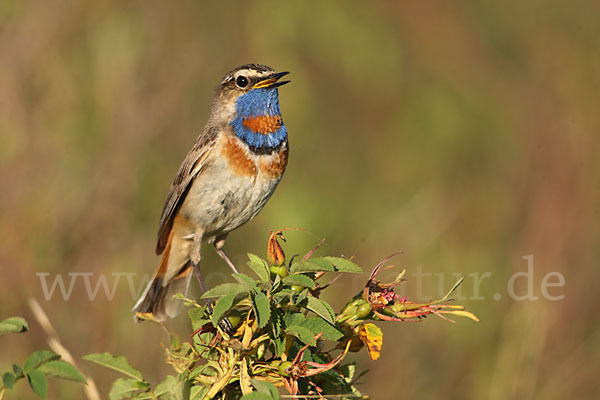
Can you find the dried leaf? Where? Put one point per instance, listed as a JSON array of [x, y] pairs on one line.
[[466, 314], [372, 336], [245, 378]]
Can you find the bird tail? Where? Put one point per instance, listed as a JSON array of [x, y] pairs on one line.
[[172, 276]]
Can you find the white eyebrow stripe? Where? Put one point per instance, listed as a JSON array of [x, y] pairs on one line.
[[250, 73]]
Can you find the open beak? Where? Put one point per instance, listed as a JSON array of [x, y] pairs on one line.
[[272, 81]]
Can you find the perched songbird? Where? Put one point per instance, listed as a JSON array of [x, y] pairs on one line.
[[224, 181]]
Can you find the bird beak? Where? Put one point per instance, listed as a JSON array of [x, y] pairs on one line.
[[272, 81]]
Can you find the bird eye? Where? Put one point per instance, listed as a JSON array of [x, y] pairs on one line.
[[241, 81]]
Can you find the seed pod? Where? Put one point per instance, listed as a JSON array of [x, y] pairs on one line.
[[363, 311], [235, 318], [280, 270], [297, 288], [353, 306], [260, 352], [282, 368]]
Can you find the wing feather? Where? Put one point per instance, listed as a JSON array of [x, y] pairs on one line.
[[191, 166]]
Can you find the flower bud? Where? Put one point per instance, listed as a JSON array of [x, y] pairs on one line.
[[275, 253]]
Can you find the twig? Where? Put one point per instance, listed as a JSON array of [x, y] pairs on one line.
[[90, 389]]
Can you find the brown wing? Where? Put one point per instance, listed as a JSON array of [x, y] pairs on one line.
[[188, 170]]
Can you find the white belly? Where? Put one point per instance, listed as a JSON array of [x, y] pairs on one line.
[[220, 201]]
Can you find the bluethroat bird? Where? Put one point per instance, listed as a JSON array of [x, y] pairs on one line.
[[224, 181]]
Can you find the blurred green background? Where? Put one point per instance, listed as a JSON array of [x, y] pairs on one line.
[[464, 133]]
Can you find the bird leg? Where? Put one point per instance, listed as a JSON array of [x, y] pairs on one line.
[[195, 260], [219, 243]]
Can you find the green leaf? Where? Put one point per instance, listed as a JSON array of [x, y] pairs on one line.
[[38, 382], [456, 285], [223, 289], [174, 341], [122, 388], [282, 294], [310, 266], [276, 323], [276, 282], [344, 265], [318, 325], [118, 363], [245, 280], [13, 325], [197, 392], [258, 396], [221, 307], [327, 265], [38, 358], [169, 386], [321, 308], [279, 343], [266, 388], [348, 371], [197, 317], [262, 308], [298, 279], [8, 379], [259, 266], [302, 333], [17, 370], [61, 369], [299, 299], [203, 369], [294, 318], [264, 286]]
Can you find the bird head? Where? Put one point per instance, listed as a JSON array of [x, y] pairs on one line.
[[247, 99]]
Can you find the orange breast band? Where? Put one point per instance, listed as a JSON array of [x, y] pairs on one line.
[[275, 164], [238, 159], [264, 124]]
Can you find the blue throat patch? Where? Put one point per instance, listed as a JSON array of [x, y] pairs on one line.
[[257, 103]]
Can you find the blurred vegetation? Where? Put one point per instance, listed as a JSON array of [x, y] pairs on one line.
[[464, 134], [37, 367]]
